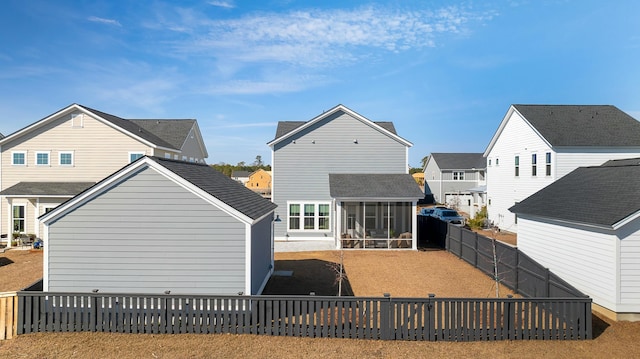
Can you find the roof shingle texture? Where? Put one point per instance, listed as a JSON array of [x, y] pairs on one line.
[[164, 133], [46, 188], [459, 161], [284, 127], [387, 185], [220, 186], [588, 125], [602, 195]]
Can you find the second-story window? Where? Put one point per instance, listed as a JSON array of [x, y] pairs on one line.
[[458, 176], [548, 164], [66, 159], [42, 158], [534, 165], [135, 155], [517, 162], [19, 158]]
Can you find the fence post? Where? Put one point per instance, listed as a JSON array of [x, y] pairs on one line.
[[510, 317], [431, 320], [547, 282], [475, 251], [385, 317]]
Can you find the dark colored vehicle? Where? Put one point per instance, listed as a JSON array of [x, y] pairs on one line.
[[448, 215]]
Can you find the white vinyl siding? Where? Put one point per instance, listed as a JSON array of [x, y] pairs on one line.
[[585, 259]]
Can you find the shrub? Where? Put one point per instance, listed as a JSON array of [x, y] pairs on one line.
[[479, 220]]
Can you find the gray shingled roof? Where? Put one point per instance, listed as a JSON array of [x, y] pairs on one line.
[[163, 133], [46, 188], [240, 174], [220, 186], [588, 125], [364, 186], [174, 132], [459, 161], [602, 195], [285, 127]]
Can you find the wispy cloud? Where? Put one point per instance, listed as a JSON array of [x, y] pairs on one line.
[[104, 21], [224, 4], [320, 38]]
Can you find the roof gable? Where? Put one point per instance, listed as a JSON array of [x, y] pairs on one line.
[[156, 133], [459, 161], [198, 178], [577, 125], [601, 196], [286, 129]]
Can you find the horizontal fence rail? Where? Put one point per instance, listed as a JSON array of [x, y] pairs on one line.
[[384, 318]]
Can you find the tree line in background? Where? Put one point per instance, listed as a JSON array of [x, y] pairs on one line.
[[228, 169]]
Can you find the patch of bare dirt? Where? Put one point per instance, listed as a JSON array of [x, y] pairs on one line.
[[370, 273]]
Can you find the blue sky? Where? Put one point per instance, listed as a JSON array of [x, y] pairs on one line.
[[445, 72]]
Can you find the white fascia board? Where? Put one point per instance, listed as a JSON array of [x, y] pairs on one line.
[[626, 220], [503, 124], [350, 113], [557, 221], [376, 199]]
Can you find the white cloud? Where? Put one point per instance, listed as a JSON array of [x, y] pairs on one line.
[[319, 38], [224, 4], [104, 21]]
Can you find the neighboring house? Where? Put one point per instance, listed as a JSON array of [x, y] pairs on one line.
[[260, 182], [585, 227], [160, 225], [240, 176], [51, 160], [457, 180], [536, 145], [343, 179]]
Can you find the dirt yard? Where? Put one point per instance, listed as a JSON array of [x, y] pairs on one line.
[[370, 273]]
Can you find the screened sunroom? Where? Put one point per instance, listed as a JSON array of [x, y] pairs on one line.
[[375, 211]]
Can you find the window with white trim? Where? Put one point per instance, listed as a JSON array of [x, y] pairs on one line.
[[548, 163], [135, 155], [517, 165], [42, 158], [458, 175], [534, 164], [18, 216], [309, 216], [19, 158], [65, 158]]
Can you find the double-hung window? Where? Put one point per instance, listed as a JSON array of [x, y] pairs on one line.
[[42, 158], [18, 218], [548, 164], [19, 158], [65, 158], [517, 167], [534, 164], [309, 216]]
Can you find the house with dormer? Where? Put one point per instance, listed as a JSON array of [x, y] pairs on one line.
[[535, 145], [342, 180], [59, 156]]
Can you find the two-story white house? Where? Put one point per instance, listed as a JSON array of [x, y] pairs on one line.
[[59, 156], [456, 179], [342, 180], [537, 144]]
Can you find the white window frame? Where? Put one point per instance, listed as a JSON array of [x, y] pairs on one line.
[[24, 156], [547, 163], [316, 216], [23, 219], [48, 153], [457, 175], [141, 154], [516, 162], [60, 154]]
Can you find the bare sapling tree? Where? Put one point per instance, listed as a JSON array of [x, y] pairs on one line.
[[338, 269]]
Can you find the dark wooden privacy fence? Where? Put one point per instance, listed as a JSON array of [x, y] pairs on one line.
[[515, 269], [386, 318]]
